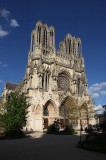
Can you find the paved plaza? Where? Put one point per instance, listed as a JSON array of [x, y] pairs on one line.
[[40, 146]]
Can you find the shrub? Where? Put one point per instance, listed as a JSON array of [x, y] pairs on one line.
[[103, 126], [89, 130], [69, 129], [14, 134], [90, 145], [53, 128]]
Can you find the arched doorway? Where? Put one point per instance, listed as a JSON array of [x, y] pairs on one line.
[[68, 111], [49, 113]]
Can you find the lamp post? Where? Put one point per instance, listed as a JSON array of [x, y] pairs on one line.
[[104, 106], [80, 128]]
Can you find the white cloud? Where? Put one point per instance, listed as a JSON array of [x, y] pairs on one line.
[[103, 93], [10, 22], [99, 109], [96, 85], [103, 84], [96, 89], [14, 23], [1, 81], [5, 13], [3, 33], [4, 65], [95, 95]]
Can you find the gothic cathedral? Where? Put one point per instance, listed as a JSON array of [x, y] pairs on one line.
[[53, 78]]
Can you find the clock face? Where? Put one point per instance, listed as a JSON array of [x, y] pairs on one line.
[[63, 83]]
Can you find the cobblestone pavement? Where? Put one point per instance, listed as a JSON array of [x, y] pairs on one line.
[[40, 146]]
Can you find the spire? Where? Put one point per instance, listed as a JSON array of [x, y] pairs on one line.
[[81, 51]]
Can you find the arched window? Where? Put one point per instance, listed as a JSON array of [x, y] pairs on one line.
[[51, 34], [68, 46], [78, 86], [69, 43], [79, 49], [45, 81], [33, 41], [39, 35], [45, 111], [45, 38]]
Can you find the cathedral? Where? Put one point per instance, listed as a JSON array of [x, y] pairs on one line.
[[52, 78]]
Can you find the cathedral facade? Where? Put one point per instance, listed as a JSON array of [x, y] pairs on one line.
[[53, 77]]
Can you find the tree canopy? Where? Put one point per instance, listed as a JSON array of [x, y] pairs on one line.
[[14, 112]]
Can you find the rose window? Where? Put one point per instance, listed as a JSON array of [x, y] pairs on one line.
[[63, 82]]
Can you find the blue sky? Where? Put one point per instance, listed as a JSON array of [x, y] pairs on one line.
[[82, 18]]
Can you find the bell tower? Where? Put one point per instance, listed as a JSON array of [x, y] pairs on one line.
[[43, 38]]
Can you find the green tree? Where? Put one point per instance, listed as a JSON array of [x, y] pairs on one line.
[[87, 111], [14, 112]]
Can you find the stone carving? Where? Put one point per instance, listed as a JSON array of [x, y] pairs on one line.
[[52, 75]]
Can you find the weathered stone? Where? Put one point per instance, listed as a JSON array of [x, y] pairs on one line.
[[51, 76]]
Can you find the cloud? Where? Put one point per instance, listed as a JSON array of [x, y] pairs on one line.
[[96, 89], [103, 93], [96, 85], [9, 23], [5, 14], [103, 84], [95, 95], [14, 23], [3, 33], [4, 65], [99, 109], [1, 81]]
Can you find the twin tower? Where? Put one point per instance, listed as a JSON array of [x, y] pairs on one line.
[[53, 77], [43, 37]]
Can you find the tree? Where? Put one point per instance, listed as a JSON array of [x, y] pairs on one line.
[[103, 124], [1, 103], [69, 109], [14, 112], [88, 109]]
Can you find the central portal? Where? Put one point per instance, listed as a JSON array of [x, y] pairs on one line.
[[49, 113]]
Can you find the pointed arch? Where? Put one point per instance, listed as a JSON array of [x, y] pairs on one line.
[[63, 81], [66, 73], [68, 107], [38, 110], [39, 34], [45, 38], [33, 41], [49, 108]]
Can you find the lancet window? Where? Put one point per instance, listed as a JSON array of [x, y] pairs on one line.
[[45, 81], [68, 46], [33, 41], [39, 35], [45, 38], [78, 86], [51, 34]]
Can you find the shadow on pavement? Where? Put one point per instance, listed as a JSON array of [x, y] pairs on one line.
[[38, 146]]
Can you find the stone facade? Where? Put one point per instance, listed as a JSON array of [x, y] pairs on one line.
[[52, 76]]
